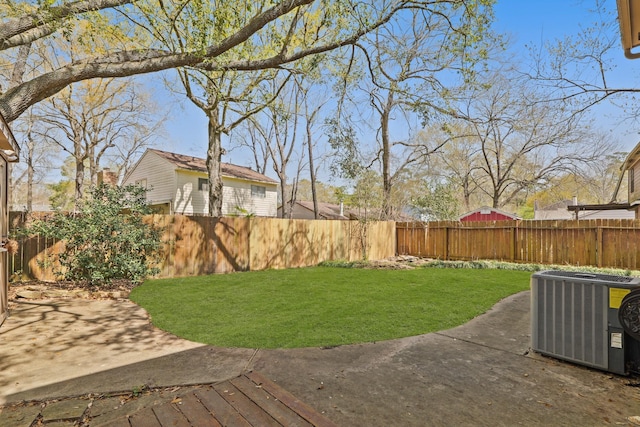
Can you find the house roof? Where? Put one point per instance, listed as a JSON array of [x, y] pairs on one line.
[[628, 163], [608, 214], [632, 157], [332, 211], [483, 209], [562, 204], [601, 207], [8, 144], [198, 164], [325, 210]]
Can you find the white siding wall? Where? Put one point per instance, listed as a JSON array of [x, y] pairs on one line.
[[237, 192], [188, 200], [160, 176], [168, 184], [634, 196]]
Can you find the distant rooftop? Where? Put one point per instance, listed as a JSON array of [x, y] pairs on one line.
[[200, 165]]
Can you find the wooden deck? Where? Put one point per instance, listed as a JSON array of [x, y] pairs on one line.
[[248, 400]]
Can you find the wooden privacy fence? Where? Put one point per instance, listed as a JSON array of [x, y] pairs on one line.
[[599, 243], [203, 245]]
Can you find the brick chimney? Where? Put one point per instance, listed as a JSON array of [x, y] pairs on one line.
[[108, 177]]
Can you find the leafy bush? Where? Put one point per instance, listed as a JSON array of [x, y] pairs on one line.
[[107, 239]]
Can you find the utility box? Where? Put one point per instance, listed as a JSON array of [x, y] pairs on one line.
[[574, 316]]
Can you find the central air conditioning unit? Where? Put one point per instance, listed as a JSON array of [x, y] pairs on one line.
[[590, 319]]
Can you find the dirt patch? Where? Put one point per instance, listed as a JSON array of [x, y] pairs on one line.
[[401, 262], [36, 289]]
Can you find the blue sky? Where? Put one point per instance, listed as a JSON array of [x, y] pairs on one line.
[[539, 21], [535, 20], [532, 21]]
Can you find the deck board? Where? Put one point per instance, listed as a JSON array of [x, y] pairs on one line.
[[144, 418], [249, 400], [170, 416], [196, 413], [226, 414], [254, 414], [278, 410], [295, 404]]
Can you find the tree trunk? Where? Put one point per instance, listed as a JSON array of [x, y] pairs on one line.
[[79, 159], [214, 160], [386, 158], [30, 174], [312, 172], [466, 194], [93, 169], [286, 211], [30, 170]]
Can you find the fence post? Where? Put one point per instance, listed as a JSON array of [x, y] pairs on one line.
[[446, 243], [425, 241], [514, 235], [599, 247]]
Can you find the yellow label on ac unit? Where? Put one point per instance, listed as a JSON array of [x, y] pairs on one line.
[[616, 295]]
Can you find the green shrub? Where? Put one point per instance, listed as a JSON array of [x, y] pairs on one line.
[[501, 265], [107, 239], [344, 264]]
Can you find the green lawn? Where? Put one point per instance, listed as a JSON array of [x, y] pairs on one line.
[[322, 306]]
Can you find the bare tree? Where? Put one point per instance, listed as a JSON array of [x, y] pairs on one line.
[[228, 99], [580, 69], [456, 161], [91, 119], [522, 141], [413, 67], [279, 128], [249, 136], [37, 157], [600, 178], [313, 101]]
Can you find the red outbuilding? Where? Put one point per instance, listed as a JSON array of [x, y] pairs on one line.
[[486, 213]]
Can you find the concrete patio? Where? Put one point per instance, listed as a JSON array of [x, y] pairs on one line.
[[480, 373]]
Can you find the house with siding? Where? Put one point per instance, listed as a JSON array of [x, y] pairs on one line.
[[631, 166], [178, 184]]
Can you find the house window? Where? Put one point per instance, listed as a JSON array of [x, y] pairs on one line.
[[632, 180], [142, 183], [203, 184], [258, 191]]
